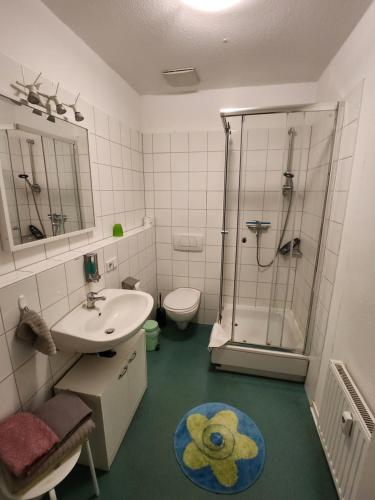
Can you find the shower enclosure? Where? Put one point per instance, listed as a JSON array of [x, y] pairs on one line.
[[276, 185]]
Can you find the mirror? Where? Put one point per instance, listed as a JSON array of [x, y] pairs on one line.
[[45, 180]]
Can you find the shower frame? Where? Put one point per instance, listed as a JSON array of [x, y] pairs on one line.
[[287, 364]]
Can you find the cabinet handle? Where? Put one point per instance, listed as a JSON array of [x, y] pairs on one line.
[[133, 356], [124, 370]]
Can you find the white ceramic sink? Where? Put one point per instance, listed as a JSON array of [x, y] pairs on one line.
[[113, 321]]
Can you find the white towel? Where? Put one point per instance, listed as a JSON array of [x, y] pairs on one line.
[[218, 337], [33, 329]]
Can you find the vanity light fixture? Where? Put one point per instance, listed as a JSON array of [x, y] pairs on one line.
[[50, 103], [211, 5]]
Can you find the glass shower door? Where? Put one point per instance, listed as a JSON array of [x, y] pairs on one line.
[[262, 155], [294, 270]]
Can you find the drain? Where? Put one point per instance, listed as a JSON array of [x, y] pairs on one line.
[[108, 331]]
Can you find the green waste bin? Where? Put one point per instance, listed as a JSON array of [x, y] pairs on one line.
[[152, 331]]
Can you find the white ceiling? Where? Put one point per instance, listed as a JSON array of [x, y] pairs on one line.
[[270, 41]]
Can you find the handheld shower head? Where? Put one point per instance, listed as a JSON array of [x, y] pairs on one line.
[[35, 188]]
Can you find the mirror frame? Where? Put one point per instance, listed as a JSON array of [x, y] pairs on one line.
[[7, 242]]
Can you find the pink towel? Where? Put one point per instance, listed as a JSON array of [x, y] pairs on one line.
[[24, 438]]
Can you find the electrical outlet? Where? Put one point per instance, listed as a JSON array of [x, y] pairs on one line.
[[111, 264]]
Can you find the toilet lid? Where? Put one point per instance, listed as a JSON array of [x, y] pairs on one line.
[[182, 298]]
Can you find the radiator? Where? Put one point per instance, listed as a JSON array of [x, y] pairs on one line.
[[346, 427]]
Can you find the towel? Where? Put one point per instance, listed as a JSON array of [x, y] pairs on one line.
[[219, 336], [63, 413], [33, 329], [24, 438], [47, 463]]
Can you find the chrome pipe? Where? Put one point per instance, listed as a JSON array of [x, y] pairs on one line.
[[292, 133], [291, 108], [224, 231], [35, 185]]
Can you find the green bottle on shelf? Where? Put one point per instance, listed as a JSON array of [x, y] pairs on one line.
[[117, 230]]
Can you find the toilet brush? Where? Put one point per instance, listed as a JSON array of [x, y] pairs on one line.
[[161, 317]]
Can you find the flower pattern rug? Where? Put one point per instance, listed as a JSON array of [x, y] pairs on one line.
[[219, 448]]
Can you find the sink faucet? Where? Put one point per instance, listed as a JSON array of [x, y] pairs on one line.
[[91, 299]]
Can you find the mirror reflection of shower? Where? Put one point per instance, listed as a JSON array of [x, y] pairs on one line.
[[57, 222], [34, 188], [49, 171]]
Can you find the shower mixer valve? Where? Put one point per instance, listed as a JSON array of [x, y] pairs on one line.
[[258, 225]]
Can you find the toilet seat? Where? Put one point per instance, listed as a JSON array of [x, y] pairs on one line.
[[182, 299]]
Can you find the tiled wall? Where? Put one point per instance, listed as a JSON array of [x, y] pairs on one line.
[[335, 216], [117, 179], [51, 275], [184, 190], [53, 288], [264, 159], [322, 131]]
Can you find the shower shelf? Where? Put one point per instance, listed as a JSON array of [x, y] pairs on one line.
[[295, 253]]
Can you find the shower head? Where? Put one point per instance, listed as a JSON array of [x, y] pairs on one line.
[[34, 187]]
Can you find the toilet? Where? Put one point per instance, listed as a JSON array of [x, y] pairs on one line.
[[181, 305]]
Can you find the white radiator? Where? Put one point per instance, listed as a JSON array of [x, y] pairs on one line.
[[348, 444]]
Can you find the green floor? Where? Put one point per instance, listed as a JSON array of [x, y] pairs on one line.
[[179, 379]]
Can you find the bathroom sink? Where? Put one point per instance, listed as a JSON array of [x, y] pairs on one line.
[[110, 323]]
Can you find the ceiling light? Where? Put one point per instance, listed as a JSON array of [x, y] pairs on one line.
[[210, 5]]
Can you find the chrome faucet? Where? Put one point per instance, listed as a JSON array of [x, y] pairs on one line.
[[91, 299]]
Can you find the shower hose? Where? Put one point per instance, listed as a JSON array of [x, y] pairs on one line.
[[281, 236]]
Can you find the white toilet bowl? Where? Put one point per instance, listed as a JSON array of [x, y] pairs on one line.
[[181, 305]]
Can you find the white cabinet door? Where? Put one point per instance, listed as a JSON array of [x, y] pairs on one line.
[[137, 373], [116, 409]]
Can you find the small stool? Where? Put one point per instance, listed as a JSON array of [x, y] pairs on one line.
[[51, 480]]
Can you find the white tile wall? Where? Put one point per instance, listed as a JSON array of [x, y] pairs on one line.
[[51, 275], [53, 288], [322, 129], [335, 216], [183, 190], [118, 184]]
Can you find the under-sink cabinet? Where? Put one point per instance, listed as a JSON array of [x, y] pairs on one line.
[[113, 388]]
